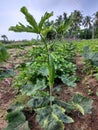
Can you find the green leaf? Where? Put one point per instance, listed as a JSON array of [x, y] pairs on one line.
[[15, 107], [87, 53], [70, 81], [42, 115], [16, 121], [60, 112], [44, 71], [30, 19], [31, 89], [84, 102], [38, 101], [48, 120], [52, 118], [43, 19], [53, 123], [78, 107], [95, 59]]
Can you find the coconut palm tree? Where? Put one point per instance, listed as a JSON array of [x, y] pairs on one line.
[[76, 18], [5, 38], [87, 22]]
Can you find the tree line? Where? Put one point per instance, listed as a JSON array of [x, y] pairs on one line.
[[74, 26], [82, 27]]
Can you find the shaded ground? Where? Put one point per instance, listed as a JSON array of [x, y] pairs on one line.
[[87, 85]]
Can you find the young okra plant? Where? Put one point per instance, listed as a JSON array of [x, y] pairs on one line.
[[51, 112]]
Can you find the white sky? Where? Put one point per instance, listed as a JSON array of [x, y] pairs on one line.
[[10, 13]]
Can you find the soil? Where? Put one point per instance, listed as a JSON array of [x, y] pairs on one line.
[[87, 85]]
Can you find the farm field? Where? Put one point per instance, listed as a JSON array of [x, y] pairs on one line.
[[27, 88]]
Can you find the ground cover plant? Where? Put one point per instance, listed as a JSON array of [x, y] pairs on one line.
[[88, 49], [4, 72], [39, 82]]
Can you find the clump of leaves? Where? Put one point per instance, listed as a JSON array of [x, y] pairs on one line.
[[3, 53], [91, 59], [17, 121], [4, 72]]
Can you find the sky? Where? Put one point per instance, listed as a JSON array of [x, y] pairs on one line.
[[10, 13]]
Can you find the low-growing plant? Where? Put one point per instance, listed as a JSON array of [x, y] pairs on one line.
[[91, 59], [51, 112], [3, 53], [4, 72]]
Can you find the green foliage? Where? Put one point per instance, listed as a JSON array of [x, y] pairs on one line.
[[3, 53], [46, 65], [16, 121], [84, 102], [90, 56], [38, 69], [33, 26], [93, 44], [39, 101], [5, 73], [32, 89], [78, 102], [68, 80], [52, 118], [85, 34]]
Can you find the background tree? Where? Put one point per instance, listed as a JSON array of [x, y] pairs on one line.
[[96, 25], [87, 22], [5, 38], [77, 18]]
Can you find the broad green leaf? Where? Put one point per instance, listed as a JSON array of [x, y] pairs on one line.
[[44, 71], [53, 123], [48, 120], [31, 89], [38, 102], [70, 81], [16, 107], [78, 107], [60, 113], [95, 59], [52, 118], [84, 102], [16, 121], [42, 115], [90, 56]]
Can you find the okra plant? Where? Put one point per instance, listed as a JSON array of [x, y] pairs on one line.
[[51, 112]]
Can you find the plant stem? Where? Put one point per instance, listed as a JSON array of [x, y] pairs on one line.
[[45, 46], [50, 86], [50, 95]]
